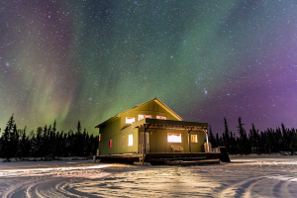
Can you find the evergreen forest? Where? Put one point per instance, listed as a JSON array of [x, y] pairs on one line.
[[269, 141], [49, 143], [46, 142]]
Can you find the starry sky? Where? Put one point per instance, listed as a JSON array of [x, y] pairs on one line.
[[88, 60]]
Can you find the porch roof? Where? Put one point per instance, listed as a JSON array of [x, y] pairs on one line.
[[170, 125]]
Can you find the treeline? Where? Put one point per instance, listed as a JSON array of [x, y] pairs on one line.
[[46, 142], [267, 141]]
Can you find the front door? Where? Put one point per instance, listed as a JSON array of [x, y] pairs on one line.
[[147, 139]]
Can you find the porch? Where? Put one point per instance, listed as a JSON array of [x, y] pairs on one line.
[[167, 136], [164, 158]]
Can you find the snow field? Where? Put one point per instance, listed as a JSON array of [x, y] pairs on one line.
[[244, 177]]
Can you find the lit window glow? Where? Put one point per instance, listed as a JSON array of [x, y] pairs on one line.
[[174, 137], [130, 140], [161, 117], [194, 138], [130, 120], [141, 117]]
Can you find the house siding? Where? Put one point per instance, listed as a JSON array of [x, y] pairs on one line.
[[159, 143]]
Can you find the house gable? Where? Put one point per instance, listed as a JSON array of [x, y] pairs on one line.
[[152, 107]]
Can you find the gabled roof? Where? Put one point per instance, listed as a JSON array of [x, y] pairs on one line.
[[155, 99]]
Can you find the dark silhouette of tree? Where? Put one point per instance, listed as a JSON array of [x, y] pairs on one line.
[[243, 144], [78, 140], [254, 139], [48, 142], [278, 140], [5, 144], [37, 144], [292, 141], [55, 126], [23, 149], [212, 138], [219, 143], [233, 144], [226, 136], [8, 139], [14, 139]]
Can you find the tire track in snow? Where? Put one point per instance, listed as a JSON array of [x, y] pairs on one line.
[[248, 191], [61, 187], [285, 190], [278, 187], [282, 188], [48, 182], [236, 190], [14, 189], [41, 187], [46, 189]]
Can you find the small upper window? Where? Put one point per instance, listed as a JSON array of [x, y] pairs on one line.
[[161, 117], [130, 120], [141, 117], [174, 137], [194, 138]]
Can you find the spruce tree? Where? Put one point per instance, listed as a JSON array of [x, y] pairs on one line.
[[78, 140], [212, 138], [226, 135], [233, 144], [244, 147], [255, 139], [37, 144], [292, 141], [8, 140], [55, 126], [5, 146], [14, 140]]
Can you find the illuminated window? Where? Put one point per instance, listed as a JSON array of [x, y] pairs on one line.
[[161, 117], [194, 138], [130, 120], [174, 137], [141, 117], [130, 140], [110, 143]]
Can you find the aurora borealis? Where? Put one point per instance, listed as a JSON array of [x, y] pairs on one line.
[[89, 60]]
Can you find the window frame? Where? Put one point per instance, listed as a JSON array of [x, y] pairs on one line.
[[127, 118], [161, 117], [194, 135], [130, 140], [174, 141], [144, 116]]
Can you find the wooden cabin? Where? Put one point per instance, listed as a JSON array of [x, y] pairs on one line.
[[154, 124]]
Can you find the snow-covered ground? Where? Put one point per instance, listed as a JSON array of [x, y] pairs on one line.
[[264, 176]]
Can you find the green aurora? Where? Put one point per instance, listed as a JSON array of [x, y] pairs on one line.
[[89, 60]]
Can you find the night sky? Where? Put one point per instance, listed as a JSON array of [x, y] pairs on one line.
[[89, 60]]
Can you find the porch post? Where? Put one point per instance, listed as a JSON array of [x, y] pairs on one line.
[[99, 139], [145, 126], [188, 130], [144, 140], [207, 144]]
